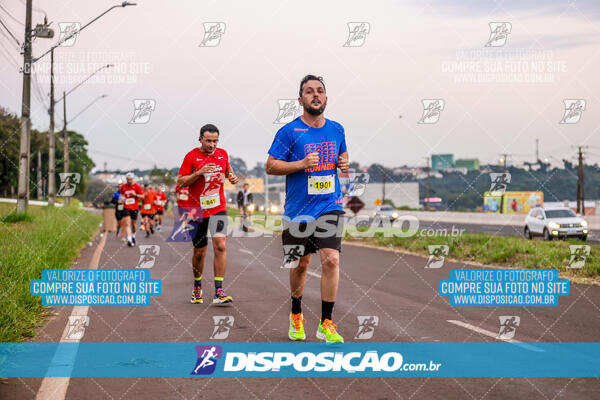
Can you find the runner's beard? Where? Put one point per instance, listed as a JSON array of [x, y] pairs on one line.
[[315, 111]]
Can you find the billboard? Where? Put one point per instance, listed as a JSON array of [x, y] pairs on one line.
[[442, 161], [471, 164], [492, 201], [521, 202]]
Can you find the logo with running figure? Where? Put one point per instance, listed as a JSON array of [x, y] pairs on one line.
[[291, 255], [573, 110], [579, 253], [508, 327], [207, 359], [77, 325], [499, 32], [437, 255], [148, 254], [499, 181], [352, 183], [223, 324], [212, 34], [68, 183], [289, 110], [183, 228], [357, 33], [68, 33], [366, 326], [432, 108], [142, 110]]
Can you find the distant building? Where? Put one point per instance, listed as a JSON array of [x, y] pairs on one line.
[[442, 161], [471, 164]]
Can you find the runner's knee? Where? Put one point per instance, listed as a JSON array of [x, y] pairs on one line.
[[331, 262], [219, 245]]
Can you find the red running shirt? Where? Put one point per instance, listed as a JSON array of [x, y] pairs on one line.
[[162, 197], [183, 196], [207, 192], [129, 193], [148, 206]]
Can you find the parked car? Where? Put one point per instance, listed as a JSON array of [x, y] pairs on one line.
[[386, 212], [555, 222]]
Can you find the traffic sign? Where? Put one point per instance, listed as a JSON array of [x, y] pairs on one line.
[[355, 204]]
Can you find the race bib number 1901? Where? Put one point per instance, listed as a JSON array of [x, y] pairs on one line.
[[321, 184]]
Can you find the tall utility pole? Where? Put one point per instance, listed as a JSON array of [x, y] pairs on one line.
[[266, 192], [23, 186], [39, 175], [383, 187], [65, 142], [427, 186], [503, 159], [580, 193], [537, 150], [51, 139]]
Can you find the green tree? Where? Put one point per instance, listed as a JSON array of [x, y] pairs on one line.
[[79, 161], [10, 133]]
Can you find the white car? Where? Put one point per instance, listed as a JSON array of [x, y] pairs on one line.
[[555, 222], [386, 212]]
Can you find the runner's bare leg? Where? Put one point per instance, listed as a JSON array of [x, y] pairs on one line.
[[298, 276], [330, 275]]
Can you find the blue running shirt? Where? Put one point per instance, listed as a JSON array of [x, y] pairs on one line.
[[312, 192]]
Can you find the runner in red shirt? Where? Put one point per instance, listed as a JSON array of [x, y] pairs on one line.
[[130, 193], [149, 209], [161, 201], [204, 170], [183, 197]]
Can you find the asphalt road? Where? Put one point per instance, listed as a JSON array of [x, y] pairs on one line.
[[374, 282], [504, 230]]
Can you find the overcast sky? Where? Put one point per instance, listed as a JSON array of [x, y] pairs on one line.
[[497, 99]]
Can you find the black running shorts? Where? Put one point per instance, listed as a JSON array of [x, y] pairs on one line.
[[325, 233], [216, 224]]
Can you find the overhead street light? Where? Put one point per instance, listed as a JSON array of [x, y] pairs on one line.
[[88, 106], [69, 36], [52, 142], [28, 60], [85, 80]]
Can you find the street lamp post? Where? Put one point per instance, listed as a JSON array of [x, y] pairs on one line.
[[23, 181], [23, 184], [52, 187], [66, 133]]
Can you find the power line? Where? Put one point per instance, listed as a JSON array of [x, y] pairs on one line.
[[11, 16], [36, 9], [121, 157], [9, 56], [9, 31]]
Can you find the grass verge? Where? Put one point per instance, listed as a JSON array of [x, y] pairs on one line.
[[482, 248], [44, 238], [496, 250]]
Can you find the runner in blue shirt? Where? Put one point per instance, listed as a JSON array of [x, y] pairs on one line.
[[116, 200], [308, 151]]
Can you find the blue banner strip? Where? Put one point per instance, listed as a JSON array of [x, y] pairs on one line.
[[374, 359]]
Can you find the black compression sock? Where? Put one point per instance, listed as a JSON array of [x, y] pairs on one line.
[[326, 310], [296, 305]]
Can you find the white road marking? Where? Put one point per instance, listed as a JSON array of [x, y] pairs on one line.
[[316, 275], [247, 251], [56, 388], [313, 274], [493, 335]]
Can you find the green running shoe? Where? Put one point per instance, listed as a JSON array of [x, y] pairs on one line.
[[327, 331], [296, 327]]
